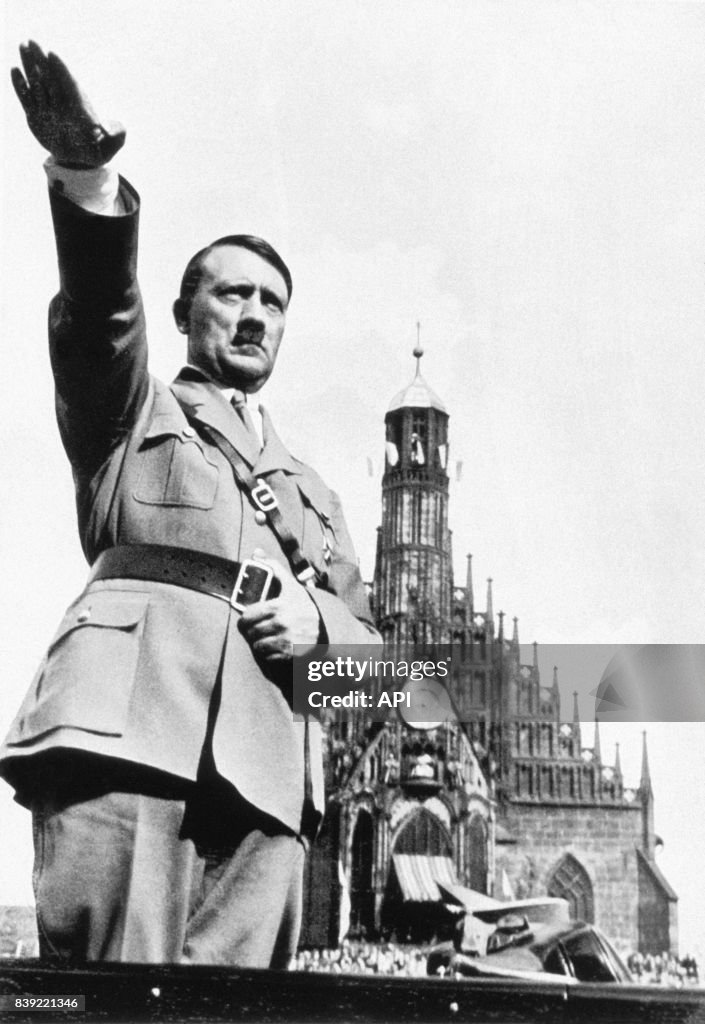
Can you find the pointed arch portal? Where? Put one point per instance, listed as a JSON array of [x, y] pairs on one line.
[[424, 834]]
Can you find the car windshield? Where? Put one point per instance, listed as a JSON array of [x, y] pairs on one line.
[[594, 960], [622, 972]]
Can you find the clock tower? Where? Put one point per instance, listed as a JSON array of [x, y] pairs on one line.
[[413, 574]]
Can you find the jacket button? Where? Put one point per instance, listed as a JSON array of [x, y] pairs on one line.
[[260, 517], [188, 432], [84, 615]]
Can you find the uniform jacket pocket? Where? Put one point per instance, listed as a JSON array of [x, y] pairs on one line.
[[176, 469], [87, 676]]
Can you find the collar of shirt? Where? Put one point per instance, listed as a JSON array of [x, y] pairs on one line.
[[253, 403]]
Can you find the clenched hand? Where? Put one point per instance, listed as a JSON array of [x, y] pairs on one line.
[[273, 627]]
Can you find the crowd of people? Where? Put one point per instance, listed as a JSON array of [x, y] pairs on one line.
[[363, 957], [663, 969]]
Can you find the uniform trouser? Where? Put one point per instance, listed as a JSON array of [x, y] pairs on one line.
[[145, 875]]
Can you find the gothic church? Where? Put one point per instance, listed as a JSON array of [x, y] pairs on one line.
[[502, 799]]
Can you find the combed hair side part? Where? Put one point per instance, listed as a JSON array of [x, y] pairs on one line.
[[194, 267]]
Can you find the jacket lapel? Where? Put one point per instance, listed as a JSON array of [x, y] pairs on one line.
[[274, 455], [204, 402]]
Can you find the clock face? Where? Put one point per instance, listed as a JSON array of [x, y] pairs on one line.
[[427, 704]]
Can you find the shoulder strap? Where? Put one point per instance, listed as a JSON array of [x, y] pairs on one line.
[[262, 498]]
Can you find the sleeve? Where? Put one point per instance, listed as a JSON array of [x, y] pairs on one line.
[[97, 337]]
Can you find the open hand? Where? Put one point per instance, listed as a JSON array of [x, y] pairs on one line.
[[60, 115], [272, 627]]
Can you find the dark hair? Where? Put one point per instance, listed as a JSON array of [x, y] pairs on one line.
[[194, 267]]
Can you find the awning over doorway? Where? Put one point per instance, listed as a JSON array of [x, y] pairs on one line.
[[420, 875]]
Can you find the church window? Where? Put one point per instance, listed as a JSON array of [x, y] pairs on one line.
[[424, 834], [571, 882], [418, 439], [419, 426]]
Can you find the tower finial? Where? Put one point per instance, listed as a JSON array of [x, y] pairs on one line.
[[646, 793], [577, 734], [556, 695], [645, 772], [418, 351], [596, 748], [469, 594]]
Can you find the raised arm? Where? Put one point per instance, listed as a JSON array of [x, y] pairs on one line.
[[96, 325]]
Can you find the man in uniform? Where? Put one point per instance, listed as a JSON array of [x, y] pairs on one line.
[[170, 787]]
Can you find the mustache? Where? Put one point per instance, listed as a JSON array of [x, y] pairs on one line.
[[250, 332]]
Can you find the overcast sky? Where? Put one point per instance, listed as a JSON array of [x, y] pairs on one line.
[[524, 178]]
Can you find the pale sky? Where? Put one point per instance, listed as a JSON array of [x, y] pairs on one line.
[[524, 178]]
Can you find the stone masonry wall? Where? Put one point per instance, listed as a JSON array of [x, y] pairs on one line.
[[602, 839]]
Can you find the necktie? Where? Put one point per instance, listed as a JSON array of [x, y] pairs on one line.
[[240, 406]]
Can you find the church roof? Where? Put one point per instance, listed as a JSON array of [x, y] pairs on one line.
[[417, 395]]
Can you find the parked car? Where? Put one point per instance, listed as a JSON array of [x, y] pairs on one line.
[[572, 951]]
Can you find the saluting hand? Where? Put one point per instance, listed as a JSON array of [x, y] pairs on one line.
[[60, 115], [272, 627]]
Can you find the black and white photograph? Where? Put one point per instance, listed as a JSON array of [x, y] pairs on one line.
[[368, 338]]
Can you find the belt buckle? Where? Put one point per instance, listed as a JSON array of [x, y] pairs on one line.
[[252, 584]]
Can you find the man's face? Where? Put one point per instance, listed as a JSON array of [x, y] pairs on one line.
[[237, 318]]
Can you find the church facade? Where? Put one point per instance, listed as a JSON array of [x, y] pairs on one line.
[[503, 798]]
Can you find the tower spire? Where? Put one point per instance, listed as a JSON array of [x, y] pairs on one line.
[[515, 634], [414, 603], [556, 695], [648, 837], [536, 655], [469, 594], [576, 724], [617, 761], [645, 784], [576, 709], [490, 610], [596, 750]]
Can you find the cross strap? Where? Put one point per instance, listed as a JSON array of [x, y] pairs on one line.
[[262, 498]]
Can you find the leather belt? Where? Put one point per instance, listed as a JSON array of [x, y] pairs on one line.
[[239, 583]]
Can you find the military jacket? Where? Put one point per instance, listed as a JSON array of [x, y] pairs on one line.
[[131, 670]]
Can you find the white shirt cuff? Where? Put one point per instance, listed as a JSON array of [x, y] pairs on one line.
[[94, 189]]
